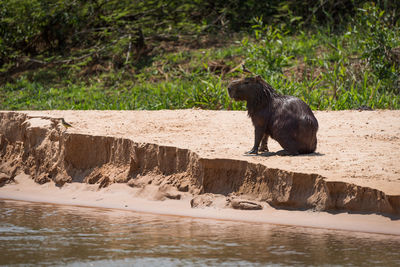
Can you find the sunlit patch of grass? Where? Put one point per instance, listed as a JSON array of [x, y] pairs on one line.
[[331, 71]]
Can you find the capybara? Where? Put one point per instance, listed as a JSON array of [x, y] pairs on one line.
[[287, 119]]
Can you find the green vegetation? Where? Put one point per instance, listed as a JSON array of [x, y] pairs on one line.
[[99, 54]]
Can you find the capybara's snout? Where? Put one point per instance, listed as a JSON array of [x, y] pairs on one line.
[[230, 91]]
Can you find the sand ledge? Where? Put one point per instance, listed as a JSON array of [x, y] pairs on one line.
[[123, 197], [39, 146]]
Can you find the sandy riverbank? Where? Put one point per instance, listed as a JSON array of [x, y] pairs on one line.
[[191, 163], [123, 197]]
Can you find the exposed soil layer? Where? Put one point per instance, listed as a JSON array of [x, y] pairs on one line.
[[201, 153]]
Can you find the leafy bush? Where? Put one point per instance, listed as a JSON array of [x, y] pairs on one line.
[[345, 71], [109, 54], [380, 43]]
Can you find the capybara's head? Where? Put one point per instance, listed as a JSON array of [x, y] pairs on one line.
[[244, 89]]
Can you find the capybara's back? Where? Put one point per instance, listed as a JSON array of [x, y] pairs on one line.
[[287, 119], [294, 125]]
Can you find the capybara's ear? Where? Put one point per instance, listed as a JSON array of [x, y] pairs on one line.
[[258, 78]]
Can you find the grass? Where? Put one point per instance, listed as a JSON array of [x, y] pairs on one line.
[[329, 71]]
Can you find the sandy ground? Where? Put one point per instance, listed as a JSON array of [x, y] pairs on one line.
[[359, 147], [123, 197]]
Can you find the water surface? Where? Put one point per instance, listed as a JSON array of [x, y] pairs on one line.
[[45, 234]]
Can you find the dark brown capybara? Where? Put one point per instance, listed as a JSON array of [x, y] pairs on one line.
[[287, 119]]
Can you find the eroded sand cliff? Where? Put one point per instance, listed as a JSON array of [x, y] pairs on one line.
[[199, 154]]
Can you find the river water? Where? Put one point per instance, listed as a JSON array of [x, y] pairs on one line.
[[45, 234]]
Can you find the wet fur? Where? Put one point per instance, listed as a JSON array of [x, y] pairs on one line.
[[287, 119]]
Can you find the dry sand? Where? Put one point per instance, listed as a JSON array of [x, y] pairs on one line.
[[361, 149], [356, 147], [123, 197]]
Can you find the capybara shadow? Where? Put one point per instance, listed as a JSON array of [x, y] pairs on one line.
[[287, 119], [285, 153]]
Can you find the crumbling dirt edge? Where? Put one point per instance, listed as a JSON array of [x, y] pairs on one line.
[[42, 148]]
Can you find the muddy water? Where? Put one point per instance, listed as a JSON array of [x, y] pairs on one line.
[[36, 233]]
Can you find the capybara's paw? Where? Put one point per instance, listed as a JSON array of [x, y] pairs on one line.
[[253, 151]]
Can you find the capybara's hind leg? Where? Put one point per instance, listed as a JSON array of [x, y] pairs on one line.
[[286, 153], [290, 146]]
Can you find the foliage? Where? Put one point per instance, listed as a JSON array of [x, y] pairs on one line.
[[108, 54], [379, 40], [345, 71]]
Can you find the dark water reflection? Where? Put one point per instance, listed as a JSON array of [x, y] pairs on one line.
[[36, 233]]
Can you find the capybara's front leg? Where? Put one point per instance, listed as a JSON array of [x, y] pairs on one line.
[[258, 135], [264, 143]]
